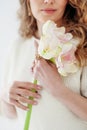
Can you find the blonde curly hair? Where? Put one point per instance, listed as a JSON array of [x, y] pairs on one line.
[[75, 21]]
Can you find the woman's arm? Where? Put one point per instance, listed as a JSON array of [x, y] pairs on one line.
[[8, 110], [51, 80], [17, 95], [75, 102]]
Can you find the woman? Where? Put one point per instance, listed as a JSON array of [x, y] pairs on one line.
[[61, 101]]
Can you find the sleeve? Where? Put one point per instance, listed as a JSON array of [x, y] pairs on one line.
[[84, 82], [9, 67]]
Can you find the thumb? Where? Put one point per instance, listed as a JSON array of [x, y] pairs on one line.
[[36, 47]]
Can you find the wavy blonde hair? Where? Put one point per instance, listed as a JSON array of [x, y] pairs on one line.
[[75, 21]]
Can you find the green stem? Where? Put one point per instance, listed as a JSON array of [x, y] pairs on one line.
[[28, 115]]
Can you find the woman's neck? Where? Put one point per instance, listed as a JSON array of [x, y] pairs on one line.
[[39, 31]]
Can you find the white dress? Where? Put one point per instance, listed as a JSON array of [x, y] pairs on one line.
[[49, 114]]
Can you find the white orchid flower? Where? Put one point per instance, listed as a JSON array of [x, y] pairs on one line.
[[56, 44], [66, 62]]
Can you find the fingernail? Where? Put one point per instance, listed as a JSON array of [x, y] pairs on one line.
[[39, 87], [27, 109], [35, 103], [38, 96]]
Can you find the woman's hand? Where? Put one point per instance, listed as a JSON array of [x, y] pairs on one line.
[[20, 92], [46, 73]]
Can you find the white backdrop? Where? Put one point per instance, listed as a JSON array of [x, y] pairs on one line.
[[8, 27], [8, 33]]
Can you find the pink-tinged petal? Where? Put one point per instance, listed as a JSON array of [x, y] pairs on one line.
[[68, 36], [59, 61], [67, 47], [68, 57], [64, 38], [68, 69], [71, 68], [62, 71], [61, 30]]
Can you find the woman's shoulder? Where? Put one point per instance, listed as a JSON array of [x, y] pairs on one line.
[[20, 43]]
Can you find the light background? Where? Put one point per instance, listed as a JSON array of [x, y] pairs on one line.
[[8, 27], [8, 33]]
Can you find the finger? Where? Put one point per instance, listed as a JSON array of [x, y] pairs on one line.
[[32, 67], [36, 47], [16, 103], [28, 101], [31, 70], [33, 63], [24, 92], [27, 85], [51, 64], [23, 99]]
